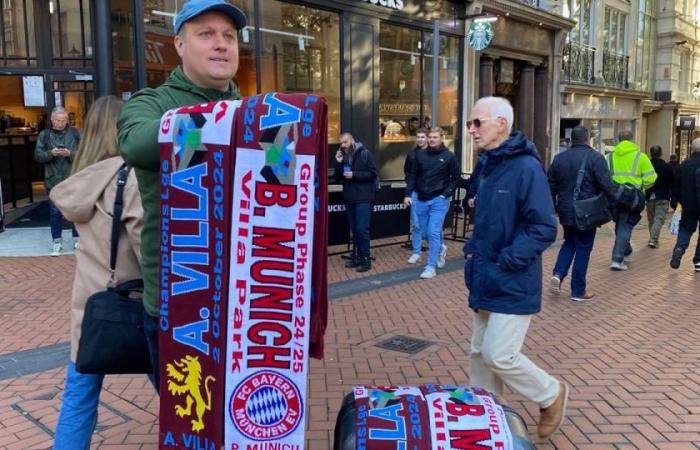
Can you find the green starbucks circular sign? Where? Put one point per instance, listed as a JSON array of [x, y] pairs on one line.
[[480, 35]]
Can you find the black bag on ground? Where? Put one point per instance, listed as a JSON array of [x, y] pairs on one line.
[[591, 212], [406, 421], [112, 338]]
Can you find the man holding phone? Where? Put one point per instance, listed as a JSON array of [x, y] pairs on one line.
[[356, 170], [55, 148]]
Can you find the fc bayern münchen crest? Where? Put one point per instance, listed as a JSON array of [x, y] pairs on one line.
[[480, 35]]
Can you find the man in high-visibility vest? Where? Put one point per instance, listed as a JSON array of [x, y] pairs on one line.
[[628, 166]]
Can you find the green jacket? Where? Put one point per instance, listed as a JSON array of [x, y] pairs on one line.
[[138, 141], [56, 169], [630, 165]]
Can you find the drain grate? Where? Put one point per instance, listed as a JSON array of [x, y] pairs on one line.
[[404, 344]]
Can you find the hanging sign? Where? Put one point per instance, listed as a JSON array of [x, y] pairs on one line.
[[480, 35]]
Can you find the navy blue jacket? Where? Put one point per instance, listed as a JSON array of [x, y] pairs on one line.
[[562, 180], [513, 224]]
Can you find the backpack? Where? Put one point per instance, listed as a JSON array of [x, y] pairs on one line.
[[628, 196], [377, 180]]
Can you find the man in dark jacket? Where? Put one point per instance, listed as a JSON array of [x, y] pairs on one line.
[[55, 148], [207, 42], [514, 223], [673, 162], [416, 232], [659, 196], [688, 194], [356, 170], [433, 178], [578, 244]]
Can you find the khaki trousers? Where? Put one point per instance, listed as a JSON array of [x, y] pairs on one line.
[[496, 359]]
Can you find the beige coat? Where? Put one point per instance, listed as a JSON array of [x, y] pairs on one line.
[[87, 200]]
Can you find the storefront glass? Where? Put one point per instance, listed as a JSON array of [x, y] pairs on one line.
[[19, 45], [300, 52], [406, 77], [70, 33], [122, 15]]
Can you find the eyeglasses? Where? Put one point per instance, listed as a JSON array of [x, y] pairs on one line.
[[477, 122]]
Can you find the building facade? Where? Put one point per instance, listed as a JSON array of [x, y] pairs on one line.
[[673, 114]]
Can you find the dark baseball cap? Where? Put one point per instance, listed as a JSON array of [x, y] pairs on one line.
[[193, 8]]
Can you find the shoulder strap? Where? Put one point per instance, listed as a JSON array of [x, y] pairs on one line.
[[116, 218], [579, 178]]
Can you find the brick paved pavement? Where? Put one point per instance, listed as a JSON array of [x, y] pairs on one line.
[[630, 354]]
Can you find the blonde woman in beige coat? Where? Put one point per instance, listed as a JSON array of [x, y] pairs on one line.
[[86, 198]]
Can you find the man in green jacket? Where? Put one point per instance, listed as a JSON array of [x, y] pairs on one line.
[[628, 166], [55, 149], [207, 42]]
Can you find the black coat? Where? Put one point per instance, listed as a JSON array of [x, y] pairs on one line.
[[687, 185], [362, 186], [562, 179], [434, 172], [663, 186]]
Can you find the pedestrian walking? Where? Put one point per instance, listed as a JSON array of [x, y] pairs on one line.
[[356, 170], [632, 171], [673, 162], [206, 40], [688, 194], [416, 232], [659, 196], [433, 179], [514, 223], [55, 149], [87, 199], [563, 175]]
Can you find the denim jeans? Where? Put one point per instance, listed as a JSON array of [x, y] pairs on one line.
[[150, 327], [56, 222], [656, 216], [625, 222], [358, 215], [416, 232], [576, 248], [686, 228], [78, 416], [431, 217]]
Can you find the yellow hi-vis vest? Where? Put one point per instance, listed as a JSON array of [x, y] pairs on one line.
[[631, 167]]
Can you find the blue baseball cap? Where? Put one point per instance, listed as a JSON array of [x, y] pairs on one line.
[[193, 8]]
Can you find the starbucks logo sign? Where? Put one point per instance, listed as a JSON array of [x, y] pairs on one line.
[[480, 35]]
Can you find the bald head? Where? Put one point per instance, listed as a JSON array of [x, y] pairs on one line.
[[696, 145]]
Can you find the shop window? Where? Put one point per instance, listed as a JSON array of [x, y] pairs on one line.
[[18, 41], [300, 52], [70, 32], [122, 15], [405, 92]]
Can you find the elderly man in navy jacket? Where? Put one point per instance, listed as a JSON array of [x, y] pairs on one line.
[[513, 224], [577, 244]]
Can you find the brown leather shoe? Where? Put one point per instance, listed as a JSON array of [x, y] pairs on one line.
[[552, 417]]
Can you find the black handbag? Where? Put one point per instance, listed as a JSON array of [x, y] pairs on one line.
[[591, 212], [112, 338]]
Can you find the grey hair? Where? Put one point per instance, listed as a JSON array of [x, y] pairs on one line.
[[498, 107], [58, 110], [625, 135], [696, 145]]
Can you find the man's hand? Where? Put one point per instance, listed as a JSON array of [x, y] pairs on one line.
[[471, 202], [348, 174], [339, 156], [407, 201]]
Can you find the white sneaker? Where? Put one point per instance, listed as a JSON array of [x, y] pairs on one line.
[[697, 267], [76, 241], [441, 258], [57, 248], [428, 272], [555, 285], [414, 258], [618, 266]]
